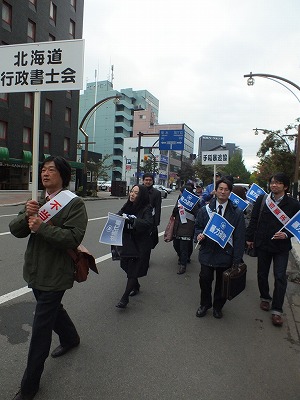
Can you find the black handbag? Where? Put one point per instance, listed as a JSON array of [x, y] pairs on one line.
[[251, 252], [234, 281], [128, 250]]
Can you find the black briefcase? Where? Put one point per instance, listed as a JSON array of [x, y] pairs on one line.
[[234, 281]]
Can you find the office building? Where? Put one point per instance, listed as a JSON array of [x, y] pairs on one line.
[[28, 22], [113, 121]]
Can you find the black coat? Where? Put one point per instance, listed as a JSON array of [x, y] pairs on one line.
[[155, 201], [187, 229], [138, 236], [267, 225], [211, 253]]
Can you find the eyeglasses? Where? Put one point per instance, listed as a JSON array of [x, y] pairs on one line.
[[276, 183]]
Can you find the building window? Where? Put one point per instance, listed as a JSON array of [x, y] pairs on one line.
[[6, 13], [51, 38], [66, 146], [48, 108], [68, 116], [73, 4], [3, 130], [53, 12], [28, 101], [47, 137], [4, 97], [72, 29], [31, 29], [26, 135]]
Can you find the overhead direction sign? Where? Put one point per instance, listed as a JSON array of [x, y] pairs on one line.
[[42, 66], [171, 139]]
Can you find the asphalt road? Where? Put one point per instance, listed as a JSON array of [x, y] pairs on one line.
[[156, 349]]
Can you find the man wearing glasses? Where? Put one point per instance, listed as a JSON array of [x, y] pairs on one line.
[[272, 242]]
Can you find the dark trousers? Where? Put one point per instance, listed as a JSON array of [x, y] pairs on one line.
[[280, 261], [49, 315], [184, 249], [206, 278], [154, 237]]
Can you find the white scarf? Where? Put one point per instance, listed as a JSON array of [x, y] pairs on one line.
[[56, 204]]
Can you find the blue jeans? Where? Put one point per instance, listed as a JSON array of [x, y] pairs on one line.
[[184, 250], [280, 261]]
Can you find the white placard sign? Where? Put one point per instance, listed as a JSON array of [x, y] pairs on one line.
[[42, 66], [215, 157]]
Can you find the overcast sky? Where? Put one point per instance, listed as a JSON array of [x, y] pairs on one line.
[[192, 55]]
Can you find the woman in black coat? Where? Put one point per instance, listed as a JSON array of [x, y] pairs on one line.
[[137, 242]]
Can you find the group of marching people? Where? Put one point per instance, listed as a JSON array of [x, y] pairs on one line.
[[260, 226], [49, 270]]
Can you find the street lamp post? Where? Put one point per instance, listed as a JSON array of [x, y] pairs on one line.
[[86, 119], [277, 79], [281, 137]]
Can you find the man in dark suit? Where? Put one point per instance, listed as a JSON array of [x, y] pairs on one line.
[[213, 258], [272, 242], [155, 201]]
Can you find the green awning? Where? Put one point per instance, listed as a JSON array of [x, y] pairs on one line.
[[46, 156], [4, 153], [27, 157], [75, 164]]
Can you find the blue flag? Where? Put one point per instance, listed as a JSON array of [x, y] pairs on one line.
[[218, 229], [188, 200], [254, 192], [293, 226], [242, 204], [113, 230]]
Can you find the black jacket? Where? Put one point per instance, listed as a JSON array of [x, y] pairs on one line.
[[155, 201], [211, 253], [267, 225], [187, 229], [139, 234]]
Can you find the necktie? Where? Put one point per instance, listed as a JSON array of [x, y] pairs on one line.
[[220, 209]]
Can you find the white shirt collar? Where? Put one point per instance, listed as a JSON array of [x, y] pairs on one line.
[[224, 205]]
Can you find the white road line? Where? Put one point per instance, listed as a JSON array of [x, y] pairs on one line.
[[19, 292], [90, 220], [12, 295]]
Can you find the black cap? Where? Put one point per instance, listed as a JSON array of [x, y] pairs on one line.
[[219, 174]]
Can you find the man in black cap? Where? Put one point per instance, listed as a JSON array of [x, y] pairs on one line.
[[155, 201], [210, 189]]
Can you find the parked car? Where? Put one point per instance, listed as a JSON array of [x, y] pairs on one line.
[[167, 189], [244, 185], [106, 186], [163, 192], [99, 183]]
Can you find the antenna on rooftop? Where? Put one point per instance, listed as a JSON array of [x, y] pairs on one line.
[[112, 74]]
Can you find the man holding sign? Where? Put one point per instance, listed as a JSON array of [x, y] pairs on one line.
[[48, 269], [272, 242], [220, 231]]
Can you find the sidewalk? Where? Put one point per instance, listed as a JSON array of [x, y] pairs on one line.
[[18, 197]]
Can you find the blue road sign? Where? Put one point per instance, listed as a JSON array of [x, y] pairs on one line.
[[171, 140]]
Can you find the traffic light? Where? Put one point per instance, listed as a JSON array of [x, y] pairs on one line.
[[145, 158]]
